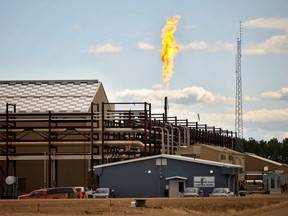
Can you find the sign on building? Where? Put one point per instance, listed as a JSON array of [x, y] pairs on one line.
[[204, 181]]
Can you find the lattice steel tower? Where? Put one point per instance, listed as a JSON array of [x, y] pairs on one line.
[[238, 107]]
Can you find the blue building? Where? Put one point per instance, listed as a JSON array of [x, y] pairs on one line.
[[166, 176]]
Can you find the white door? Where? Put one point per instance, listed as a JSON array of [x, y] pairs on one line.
[[176, 187]]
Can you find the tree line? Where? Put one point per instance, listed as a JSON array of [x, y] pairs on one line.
[[272, 149]]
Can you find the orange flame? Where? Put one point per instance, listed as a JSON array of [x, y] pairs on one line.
[[169, 50]]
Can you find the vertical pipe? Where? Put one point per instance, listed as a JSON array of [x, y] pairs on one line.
[[91, 147], [172, 139], [7, 141], [145, 129], [168, 144], [150, 129], [163, 138], [179, 138], [162, 143], [188, 136], [49, 149], [185, 136], [45, 170], [165, 110], [54, 169], [14, 162], [102, 132]]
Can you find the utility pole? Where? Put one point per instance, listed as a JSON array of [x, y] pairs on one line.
[[238, 106]]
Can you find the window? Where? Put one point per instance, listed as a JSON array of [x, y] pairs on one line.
[[223, 157], [36, 193]]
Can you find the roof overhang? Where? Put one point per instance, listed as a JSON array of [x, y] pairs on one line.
[[176, 178]]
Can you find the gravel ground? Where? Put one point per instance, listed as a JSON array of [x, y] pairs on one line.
[[248, 205]]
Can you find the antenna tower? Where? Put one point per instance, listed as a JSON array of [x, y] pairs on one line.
[[238, 107]]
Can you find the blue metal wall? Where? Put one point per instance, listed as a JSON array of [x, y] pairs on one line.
[[145, 179]]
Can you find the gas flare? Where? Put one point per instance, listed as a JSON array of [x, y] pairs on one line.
[[169, 49]]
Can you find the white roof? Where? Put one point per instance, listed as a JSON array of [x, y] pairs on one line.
[[48, 95], [175, 157], [176, 177]]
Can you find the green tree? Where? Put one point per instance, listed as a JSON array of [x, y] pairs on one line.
[[252, 146], [285, 151], [274, 150], [263, 146], [240, 145]]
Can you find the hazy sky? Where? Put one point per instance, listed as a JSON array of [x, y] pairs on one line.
[[119, 43]]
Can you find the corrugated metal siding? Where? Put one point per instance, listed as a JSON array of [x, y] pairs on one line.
[[144, 178]]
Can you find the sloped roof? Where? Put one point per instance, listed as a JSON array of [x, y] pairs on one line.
[[175, 157], [262, 159], [48, 95], [221, 149]]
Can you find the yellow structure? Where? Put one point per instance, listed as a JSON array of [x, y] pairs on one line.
[[213, 153]]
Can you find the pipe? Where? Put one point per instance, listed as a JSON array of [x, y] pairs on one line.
[[68, 143], [185, 137], [179, 137], [168, 146], [124, 130], [172, 139], [163, 142], [188, 136], [46, 157], [127, 130]]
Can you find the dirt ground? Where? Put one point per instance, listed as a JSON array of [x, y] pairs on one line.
[[248, 205]]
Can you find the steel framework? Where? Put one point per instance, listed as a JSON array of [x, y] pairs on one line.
[[238, 106], [103, 135]]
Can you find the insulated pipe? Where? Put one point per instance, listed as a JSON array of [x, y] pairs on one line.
[[188, 136], [163, 142], [179, 140], [184, 135], [124, 130], [69, 143], [168, 146], [172, 139], [123, 143], [45, 158], [86, 130]]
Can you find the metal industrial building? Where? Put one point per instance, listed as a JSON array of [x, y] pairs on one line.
[[166, 175], [274, 174], [45, 129], [213, 153], [266, 176], [52, 132]]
